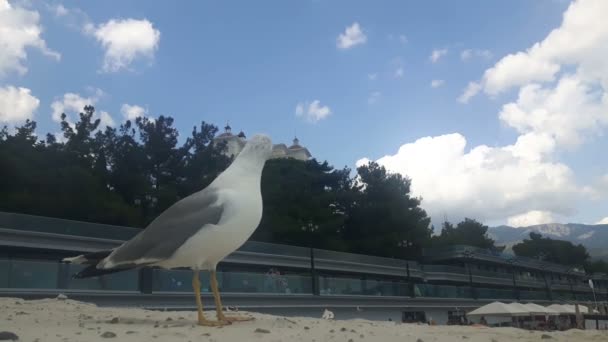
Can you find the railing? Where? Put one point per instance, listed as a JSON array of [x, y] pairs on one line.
[[368, 274]]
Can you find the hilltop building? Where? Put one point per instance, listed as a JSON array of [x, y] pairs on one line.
[[235, 143]]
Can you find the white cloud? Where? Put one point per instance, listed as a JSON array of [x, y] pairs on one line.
[[581, 41], [132, 112], [471, 90], [72, 104], [352, 36], [487, 183], [17, 104], [437, 54], [530, 218], [372, 77], [373, 97], [468, 54], [603, 221], [20, 30], [569, 111], [60, 10], [437, 83], [124, 41], [398, 72], [403, 39], [562, 101], [106, 119], [313, 111]]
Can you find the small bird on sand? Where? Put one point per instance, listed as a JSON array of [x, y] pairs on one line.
[[198, 231]]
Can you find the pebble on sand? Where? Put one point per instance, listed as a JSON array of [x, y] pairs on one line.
[[108, 334], [8, 336]]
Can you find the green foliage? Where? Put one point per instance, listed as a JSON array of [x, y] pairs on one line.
[[301, 203], [383, 218], [597, 266], [129, 174], [547, 249], [468, 232], [123, 176]]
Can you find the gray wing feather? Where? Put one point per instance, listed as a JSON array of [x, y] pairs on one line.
[[171, 229]]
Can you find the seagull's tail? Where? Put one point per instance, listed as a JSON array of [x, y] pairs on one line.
[[92, 259]]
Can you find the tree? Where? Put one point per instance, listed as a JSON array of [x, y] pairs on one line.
[[468, 232], [547, 249], [596, 266], [385, 219], [203, 160], [302, 201], [54, 180]]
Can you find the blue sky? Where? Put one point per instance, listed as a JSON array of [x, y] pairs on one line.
[[253, 65]]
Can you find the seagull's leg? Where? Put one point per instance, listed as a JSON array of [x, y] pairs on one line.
[[196, 285], [218, 304]]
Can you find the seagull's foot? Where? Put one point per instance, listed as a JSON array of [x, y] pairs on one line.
[[238, 318], [207, 323]]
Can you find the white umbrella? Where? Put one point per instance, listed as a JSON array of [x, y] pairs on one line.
[[541, 310], [498, 309], [561, 309]]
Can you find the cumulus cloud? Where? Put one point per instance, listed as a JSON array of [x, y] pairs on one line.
[[468, 54], [437, 83], [20, 30], [530, 218], [72, 104], [124, 41], [373, 97], [580, 41], [437, 54], [60, 10], [373, 76], [105, 119], [471, 90], [132, 112], [569, 111], [17, 104], [561, 102], [488, 183], [313, 111], [352, 36], [603, 221]]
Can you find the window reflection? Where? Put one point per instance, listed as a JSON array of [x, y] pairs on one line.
[[32, 274]]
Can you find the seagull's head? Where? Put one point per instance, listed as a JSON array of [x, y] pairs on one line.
[[259, 147]]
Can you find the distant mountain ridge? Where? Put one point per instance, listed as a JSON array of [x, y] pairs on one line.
[[593, 237]]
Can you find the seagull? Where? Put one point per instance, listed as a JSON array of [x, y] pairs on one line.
[[198, 231]]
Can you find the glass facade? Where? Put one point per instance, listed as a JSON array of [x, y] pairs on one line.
[[493, 293], [442, 291], [39, 274], [533, 295], [27, 274]]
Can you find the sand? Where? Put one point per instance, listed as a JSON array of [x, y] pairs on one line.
[[50, 320]]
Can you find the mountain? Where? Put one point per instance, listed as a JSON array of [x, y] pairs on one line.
[[593, 237]]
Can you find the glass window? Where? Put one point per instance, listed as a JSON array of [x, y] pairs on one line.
[[33, 274], [340, 286], [4, 273], [180, 280], [120, 281], [272, 281], [491, 293], [442, 291]]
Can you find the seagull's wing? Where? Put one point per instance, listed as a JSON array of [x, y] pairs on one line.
[[169, 230]]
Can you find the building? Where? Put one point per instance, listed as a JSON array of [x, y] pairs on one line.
[[235, 143], [287, 280]]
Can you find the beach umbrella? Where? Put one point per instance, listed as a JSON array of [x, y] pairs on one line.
[[499, 309]]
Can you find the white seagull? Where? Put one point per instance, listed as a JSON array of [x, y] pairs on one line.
[[198, 231]]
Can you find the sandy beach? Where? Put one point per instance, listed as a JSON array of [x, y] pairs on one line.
[[68, 320]]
